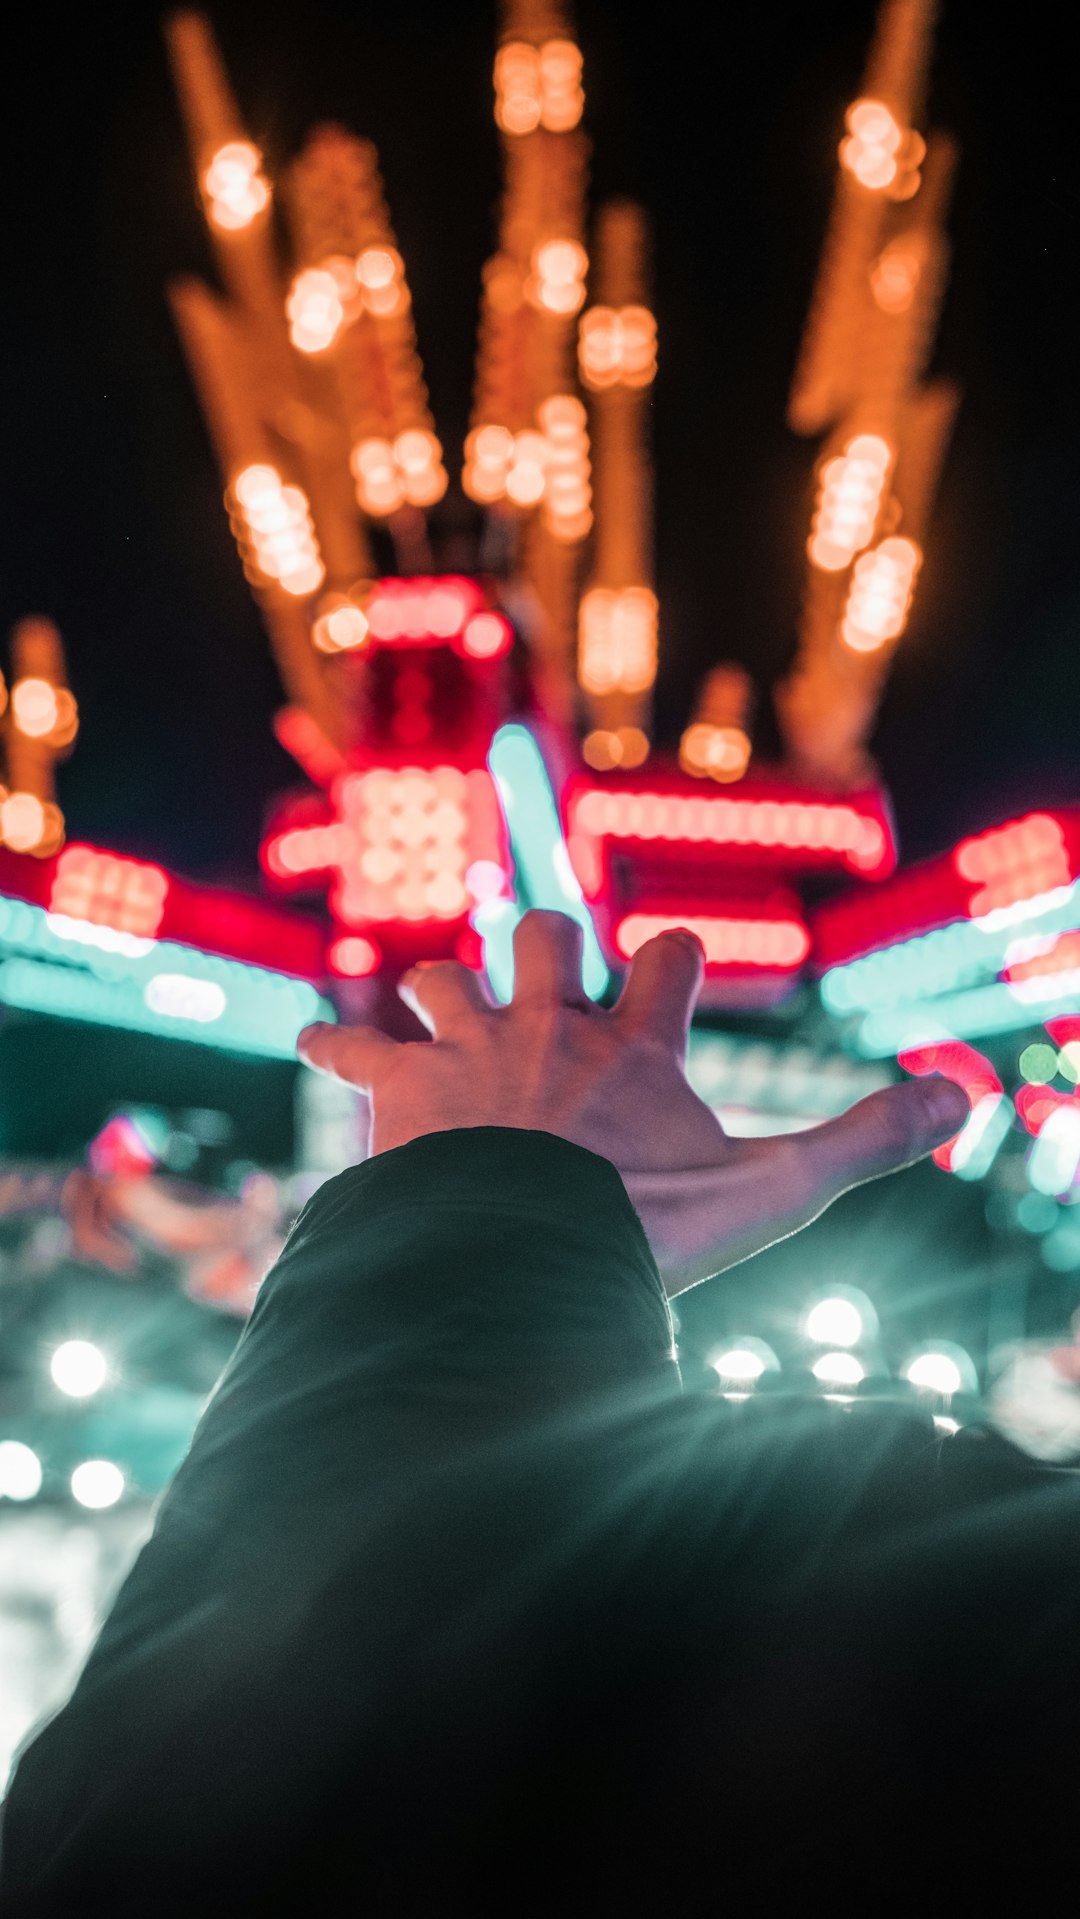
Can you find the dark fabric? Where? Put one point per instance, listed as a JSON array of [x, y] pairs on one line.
[[459, 1598]]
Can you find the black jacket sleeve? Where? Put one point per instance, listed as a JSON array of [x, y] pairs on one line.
[[430, 1310]]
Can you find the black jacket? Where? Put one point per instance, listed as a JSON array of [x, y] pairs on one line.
[[458, 1598]]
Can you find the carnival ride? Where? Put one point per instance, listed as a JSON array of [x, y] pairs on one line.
[[474, 743]]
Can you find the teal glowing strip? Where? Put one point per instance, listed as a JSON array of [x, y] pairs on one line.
[[984, 1009], [961, 955], [542, 863], [977, 1147], [155, 986]]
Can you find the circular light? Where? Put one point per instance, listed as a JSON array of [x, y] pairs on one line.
[[746, 1358], [935, 1373], [839, 1369], [97, 1483], [79, 1368], [487, 636], [20, 1470], [1038, 1064], [835, 1322], [739, 1364], [353, 957], [22, 822], [1068, 1061], [34, 708]]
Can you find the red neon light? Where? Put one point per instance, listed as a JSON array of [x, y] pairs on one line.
[[1064, 1028], [487, 636], [353, 956], [400, 611], [780, 945], [408, 844], [1013, 863], [965, 1067], [123, 894], [1036, 1103], [829, 831], [995, 871]]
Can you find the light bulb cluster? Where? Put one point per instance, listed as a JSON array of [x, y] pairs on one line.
[[105, 890], [556, 282], [538, 86], [617, 347], [825, 827], [1014, 863], [849, 501], [321, 301], [340, 626], [617, 640], [608, 747], [716, 745], [550, 465], [275, 524], [879, 153], [879, 597], [777, 944], [411, 829], [235, 187], [390, 474], [29, 824], [40, 710]]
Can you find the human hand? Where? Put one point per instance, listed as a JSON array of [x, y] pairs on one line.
[[613, 1081]]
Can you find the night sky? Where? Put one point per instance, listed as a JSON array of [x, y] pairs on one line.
[[112, 516]]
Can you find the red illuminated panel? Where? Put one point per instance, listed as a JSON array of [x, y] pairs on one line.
[[400, 612], [995, 871], [409, 844], [760, 823], [1013, 863], [962, 1064], [108, 891], [778, 945]]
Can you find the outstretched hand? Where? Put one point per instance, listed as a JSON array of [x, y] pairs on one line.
[[613, 1080]]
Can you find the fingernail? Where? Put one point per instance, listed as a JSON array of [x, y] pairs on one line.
[[308, 1032], [692, 939], [946, 1100]]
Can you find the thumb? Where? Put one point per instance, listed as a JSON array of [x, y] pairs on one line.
[[354, 1054], [880, 1134]]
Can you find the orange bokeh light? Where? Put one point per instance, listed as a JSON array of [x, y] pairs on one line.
[[538, 87], [557, 282], [277, 520], [870, 150], [617, 347], [617, 640], [880, 595], [849, 500], [127, 895], [235, 187]]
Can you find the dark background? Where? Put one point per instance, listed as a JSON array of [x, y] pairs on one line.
[[112, 517]]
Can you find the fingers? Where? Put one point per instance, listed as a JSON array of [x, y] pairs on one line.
[[880, 1134], [661, 988], [355, 1054], [444, 993], [547, 960]]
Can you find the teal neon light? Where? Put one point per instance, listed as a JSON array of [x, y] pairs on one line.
[[981, 1010], [150, 986], [964, 954], [544, 874]]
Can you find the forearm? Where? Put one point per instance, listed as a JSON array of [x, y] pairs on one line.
[[423, 1310]]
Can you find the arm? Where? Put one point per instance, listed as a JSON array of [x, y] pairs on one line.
[[435, 1300]]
